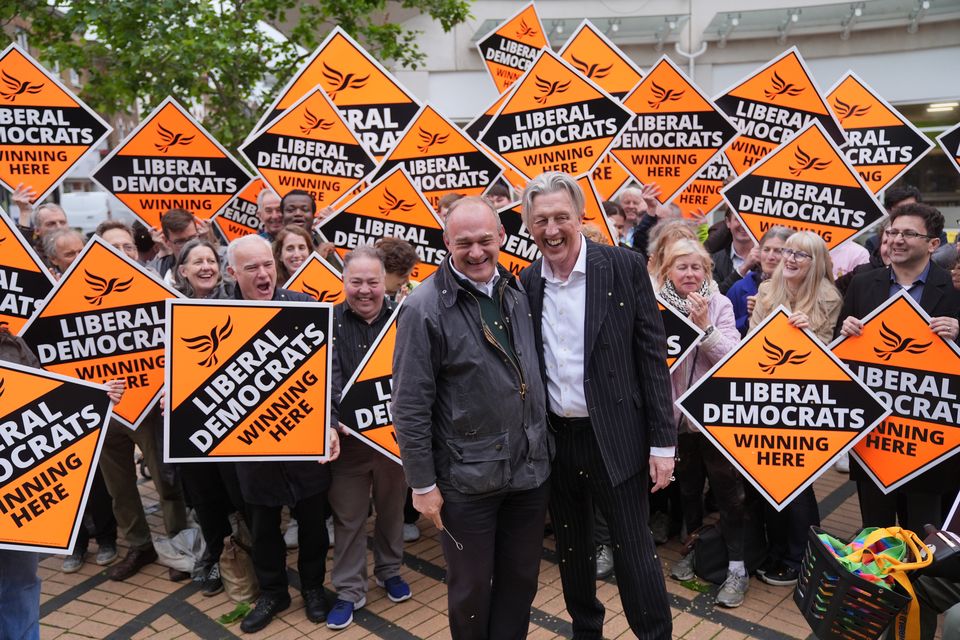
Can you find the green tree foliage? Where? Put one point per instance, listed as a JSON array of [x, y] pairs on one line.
[[208, 52]]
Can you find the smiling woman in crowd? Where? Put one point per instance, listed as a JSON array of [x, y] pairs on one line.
[[292, 246]]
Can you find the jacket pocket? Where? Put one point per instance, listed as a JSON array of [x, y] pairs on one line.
[[479, 464]]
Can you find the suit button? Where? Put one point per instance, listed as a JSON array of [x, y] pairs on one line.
[[498, 447]]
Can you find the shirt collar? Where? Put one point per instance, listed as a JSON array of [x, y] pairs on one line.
[[921, 279], [580, 266], [483, 287], [385, 309]]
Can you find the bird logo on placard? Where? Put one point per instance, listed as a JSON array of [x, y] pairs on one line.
[[897, 344], [171, 139], [313, 123], [662, 95], [780, 88], [322, 296], [17, 88], [806, 162], [591, 70], [778, 357], [430, 139], [392, 204], [548, 89], [525, 31], [102, 287], [340, 82], [845, 110], [208, 343]]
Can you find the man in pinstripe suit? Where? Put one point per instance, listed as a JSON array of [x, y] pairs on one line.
[[608, 397]]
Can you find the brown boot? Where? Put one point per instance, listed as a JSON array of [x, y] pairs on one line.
[[135, 560]]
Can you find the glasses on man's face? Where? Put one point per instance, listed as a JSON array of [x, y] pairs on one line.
[[908, 234], [796, 255]]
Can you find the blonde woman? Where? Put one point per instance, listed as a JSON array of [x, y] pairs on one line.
[[661, 238], [803, 283]]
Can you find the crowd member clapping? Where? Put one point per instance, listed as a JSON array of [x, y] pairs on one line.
[[803, 283], [685, 283]]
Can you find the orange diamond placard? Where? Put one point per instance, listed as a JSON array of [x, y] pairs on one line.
[[247, 380], [917, 375], [44, 127], [391, 206], [805, 184], [609, 177], [593, 213], [597, 58], [105, 320], [441, 159], [518, 249], [239, 218], [365, 400], [882, 144], [373, 102], [782, 408], [676, 132], [310, 147], [510, 49], [54, 428], [770, 105], [682, 334], [24, 280], [949, 141], [702, 196], [318, 279], [555, 120], [171, 162]]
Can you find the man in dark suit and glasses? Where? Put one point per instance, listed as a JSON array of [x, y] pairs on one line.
[[912, 237], [608, 398]]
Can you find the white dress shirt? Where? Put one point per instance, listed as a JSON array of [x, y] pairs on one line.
[[564, 314]]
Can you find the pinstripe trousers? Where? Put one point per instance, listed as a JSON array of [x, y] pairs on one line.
[[580, 481]]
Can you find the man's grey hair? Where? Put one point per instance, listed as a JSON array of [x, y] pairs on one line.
[[777, 231], [547, 183], [46, 206], [50, 240], [467, 201], [263, 194], [243, 241], [630, 191], [361, 252]]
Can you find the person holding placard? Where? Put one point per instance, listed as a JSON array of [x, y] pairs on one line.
[[914, 235], [686, 285], [803, 283]]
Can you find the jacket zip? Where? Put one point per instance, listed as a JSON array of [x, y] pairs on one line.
[[492, 340]]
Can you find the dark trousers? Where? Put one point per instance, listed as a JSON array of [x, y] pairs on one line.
[[580, 481], [270, 552], [936, 596], [912, 510], [100, 511], [410, 513], [492, 581], [787, 529], [699, 460], [213, 490]]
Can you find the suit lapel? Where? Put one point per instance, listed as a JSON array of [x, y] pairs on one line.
[[599, 284], [933, 290]]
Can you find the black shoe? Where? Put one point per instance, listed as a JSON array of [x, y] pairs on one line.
[[212, 584], [176, 575], [782, 576], [135, 560], [769, 564], [316, 605], [263, 613]]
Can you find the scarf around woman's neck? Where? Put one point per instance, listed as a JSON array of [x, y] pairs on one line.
[[669, 293]]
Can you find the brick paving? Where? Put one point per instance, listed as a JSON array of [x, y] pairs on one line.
[[87, 605]]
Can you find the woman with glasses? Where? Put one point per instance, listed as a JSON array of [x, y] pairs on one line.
[[212, 487], [803, 283], [742, 292]]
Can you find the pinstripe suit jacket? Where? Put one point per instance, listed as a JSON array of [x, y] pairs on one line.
[[626, 382]]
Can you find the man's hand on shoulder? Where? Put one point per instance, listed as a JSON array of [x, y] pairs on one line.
[[661, 472], [429, 504]]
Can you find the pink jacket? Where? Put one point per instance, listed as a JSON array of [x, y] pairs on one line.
[[721, 341]]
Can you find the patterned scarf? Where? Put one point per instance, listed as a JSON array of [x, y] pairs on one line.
[[669, 293]]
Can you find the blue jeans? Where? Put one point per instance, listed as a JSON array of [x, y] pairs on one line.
[[19, 596]]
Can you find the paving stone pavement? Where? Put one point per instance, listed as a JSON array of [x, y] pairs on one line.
[[87, 605]]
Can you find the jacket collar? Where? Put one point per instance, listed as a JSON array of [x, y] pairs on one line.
[[450, 287]]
